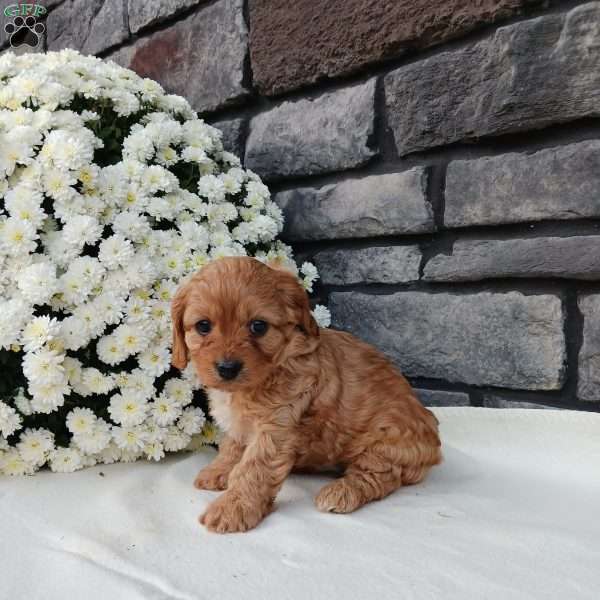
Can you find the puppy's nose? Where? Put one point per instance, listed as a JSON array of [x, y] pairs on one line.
[[229, 369]]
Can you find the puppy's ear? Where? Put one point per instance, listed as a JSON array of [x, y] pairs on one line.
[[306, 331], [180, 353]]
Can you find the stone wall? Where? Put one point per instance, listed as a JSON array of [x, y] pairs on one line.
[[439, 160]]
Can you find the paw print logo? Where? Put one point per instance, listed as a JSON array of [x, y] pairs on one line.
[[24, 32]]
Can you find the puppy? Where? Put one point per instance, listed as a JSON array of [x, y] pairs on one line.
[[289, 395]]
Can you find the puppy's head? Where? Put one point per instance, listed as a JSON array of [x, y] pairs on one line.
[[238, 320]]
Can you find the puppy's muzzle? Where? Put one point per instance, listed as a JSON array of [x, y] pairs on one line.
[[229, 369]]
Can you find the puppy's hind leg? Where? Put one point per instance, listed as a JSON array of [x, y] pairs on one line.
[[379, 470], [371, 476]]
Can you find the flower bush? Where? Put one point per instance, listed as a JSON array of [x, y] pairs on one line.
[[111, 192]]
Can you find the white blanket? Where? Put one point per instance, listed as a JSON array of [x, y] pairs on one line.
[[513, 512]]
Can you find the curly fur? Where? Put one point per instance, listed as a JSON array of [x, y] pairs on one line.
[[306, 398]]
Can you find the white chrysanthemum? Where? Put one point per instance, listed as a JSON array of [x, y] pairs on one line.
[[154, 450], [138, 385], [127, 410], [91, 255], [310, 275], [165, 410], [14, 314], [211, 188], [110, 454], [82, 229], [10, 420], [38, 332], [47, 397], [81, 420], [180, 390], [95, 440], [17, 236], [110, 351], [35, 445], [155, 361], [65, 460], [38, 282], [175, 439], [23, 403], [115, 251], [191, 420], [43, 367], [129, 438], [96, 381], [322, 315], [13, 464]]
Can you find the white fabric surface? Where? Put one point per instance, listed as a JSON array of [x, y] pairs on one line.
[[513, 512]]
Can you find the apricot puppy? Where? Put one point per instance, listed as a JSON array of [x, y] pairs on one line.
[[290, 395]]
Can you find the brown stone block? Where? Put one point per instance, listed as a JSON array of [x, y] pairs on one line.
[[293, 44]]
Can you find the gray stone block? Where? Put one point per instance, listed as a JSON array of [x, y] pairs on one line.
[[328, 133], [442, 398], [148, 12], [372, 206], [386, 264], [525, 76], [505, 340], [232, 135], [563, 257], [200, 58], [90, 26], [498, 402], [556, 183], [588, 381]]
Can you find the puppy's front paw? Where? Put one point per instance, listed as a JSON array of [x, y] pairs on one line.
[[339, 496], [230, 514], [211, 479]]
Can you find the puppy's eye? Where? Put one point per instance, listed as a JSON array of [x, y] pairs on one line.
[[203, 327], [258, 327]]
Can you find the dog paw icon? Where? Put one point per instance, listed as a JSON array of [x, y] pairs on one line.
[[24, 32]]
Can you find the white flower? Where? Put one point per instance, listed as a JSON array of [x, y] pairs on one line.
[[310, 275], [175, 439], [154, 450], [322, 315], [191, 420], [13, 314], [65, 460], [211, 188], [82, 229], [35, 445], [110, 454], [138, 385], [96, 381], [95, 440], [92, 252], [47, 397], [10, 420], [165, 410], [43, 367], [180, 390], [155, 361], [17, 236], [129, 438], [115, 251], [38, 282], [110, 351], [38, 332], [81, 420], [22, 403], [127, 410], [13, 464]]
